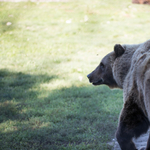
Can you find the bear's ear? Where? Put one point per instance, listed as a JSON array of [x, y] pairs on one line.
[[119, 50]]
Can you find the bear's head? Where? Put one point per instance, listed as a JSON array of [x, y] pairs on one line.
[[103, 74]]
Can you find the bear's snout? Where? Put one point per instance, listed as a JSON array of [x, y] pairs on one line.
[[89, 76], [94, 80]]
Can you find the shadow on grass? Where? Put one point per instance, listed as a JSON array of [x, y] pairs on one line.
[[68, 118], [17, 88]]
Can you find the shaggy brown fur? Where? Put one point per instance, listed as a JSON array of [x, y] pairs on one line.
[[128, 68]]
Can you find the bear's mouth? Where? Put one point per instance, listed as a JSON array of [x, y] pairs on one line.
[[101, 81]]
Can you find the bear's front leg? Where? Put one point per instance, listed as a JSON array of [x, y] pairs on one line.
[[124, 138], [132, 123]]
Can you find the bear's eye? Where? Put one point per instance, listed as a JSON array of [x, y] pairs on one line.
[[102, 66]]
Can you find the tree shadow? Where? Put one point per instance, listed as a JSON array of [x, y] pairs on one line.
[[15, 92], [68, 118]]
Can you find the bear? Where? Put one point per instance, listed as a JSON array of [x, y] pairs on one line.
[[128, 67]]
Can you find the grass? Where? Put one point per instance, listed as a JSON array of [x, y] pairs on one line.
[[46, 51]]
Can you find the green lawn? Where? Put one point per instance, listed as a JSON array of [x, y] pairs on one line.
[[46, 51]]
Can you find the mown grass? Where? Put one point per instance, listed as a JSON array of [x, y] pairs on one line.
[[46, 51]]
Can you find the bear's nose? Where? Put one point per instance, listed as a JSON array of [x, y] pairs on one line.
[[89, 77]]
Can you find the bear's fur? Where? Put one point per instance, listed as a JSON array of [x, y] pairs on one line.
[[128, 68]]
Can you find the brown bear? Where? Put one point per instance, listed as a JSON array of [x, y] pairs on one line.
[[128, 68]]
